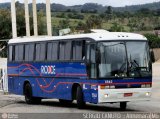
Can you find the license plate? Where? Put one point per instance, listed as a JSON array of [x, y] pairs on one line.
[[128, 94]]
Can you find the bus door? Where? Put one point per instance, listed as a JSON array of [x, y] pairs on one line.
[[92, 70]]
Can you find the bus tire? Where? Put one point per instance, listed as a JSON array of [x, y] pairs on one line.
[[65, 102], [123, 106], [79, 98], [29, 97]]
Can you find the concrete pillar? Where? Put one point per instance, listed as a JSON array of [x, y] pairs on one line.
[[13, 15], [35, 17], [27, 18], [48, 16]]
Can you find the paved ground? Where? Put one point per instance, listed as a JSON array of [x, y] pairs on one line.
[[16, 104]]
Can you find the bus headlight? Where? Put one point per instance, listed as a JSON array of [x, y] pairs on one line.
[[106, 95], [147, 94]]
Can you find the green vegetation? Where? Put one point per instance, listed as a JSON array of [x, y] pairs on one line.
[[154, 41], [86, 17]]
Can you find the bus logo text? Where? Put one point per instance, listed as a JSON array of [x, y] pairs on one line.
[[48, 69]]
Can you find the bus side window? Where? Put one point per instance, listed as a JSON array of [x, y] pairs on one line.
[[16, 53], [93, 53], [62, 50], [91, 60], [49, 51], [29, 52], [52, 51], [43, 52], [38, 48], [77, 50], [68, 48], [40, 52], [65, 50], [19, 52], [93, 71], [55, 51], [11, 50]]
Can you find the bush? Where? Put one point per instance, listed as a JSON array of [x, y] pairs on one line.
[[75, 16], [154, 41]]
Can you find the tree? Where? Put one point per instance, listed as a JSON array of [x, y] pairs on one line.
[[94, 22], [42, 27], [81, 26], [116, 28], [5, 30], [109, 13], [61, 15], [144, 11], [5, 24], [64, 23], [102, 16], [21, 28], [154, 41], [68, 10], [109, 10], [158, 12]]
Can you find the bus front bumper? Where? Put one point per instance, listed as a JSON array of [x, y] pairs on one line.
[[123, 95]]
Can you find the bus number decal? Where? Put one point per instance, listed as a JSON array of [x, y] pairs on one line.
[[108, 81]]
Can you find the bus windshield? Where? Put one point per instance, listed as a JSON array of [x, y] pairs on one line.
[[123, 59]]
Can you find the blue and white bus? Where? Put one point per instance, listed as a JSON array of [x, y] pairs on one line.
[[100, 67]]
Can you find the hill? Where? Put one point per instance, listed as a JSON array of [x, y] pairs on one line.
[[133, 8], [5, 5], [90, 7]]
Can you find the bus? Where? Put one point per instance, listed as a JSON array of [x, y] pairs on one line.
[[99, 67]]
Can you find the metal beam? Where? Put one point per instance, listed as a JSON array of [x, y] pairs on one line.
[[13, 15]]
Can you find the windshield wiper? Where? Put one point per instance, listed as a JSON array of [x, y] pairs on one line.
[[134, 66]]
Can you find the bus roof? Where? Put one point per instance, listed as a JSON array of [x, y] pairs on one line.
[[103, 36]]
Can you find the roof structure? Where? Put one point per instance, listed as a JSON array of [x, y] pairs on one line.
[[96, 36]]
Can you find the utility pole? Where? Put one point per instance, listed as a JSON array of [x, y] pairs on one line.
[[13, 16], [35, 17], [27, 18], [48, 16]]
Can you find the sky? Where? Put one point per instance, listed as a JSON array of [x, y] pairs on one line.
[[114, 3]]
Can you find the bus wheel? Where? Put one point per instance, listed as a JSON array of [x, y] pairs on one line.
[[28, 95], [123, 106], [65, 102], [79, 98]]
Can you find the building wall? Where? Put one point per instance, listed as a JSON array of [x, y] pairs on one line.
[[3, 75], [157, 54]]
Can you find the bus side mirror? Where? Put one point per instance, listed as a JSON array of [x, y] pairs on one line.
[[152, 56]]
